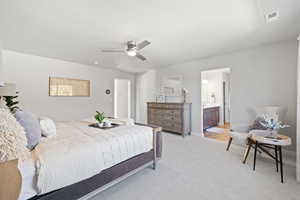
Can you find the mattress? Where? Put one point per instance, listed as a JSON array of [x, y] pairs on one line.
[[39, 173]]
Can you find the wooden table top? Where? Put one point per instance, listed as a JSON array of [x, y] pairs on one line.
[[282, 140]]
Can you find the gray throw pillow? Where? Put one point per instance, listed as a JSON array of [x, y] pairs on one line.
[[32, 128], [257, 125]]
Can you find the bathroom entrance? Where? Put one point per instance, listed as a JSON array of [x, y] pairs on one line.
[[215, 96]]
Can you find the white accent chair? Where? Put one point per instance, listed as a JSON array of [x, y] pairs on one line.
[[240, 134], [272, 111]]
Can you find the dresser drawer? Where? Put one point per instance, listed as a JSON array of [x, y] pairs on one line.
[[172, 126], [172, 113], [155, 113], [165, 106], [156, 105], [174, 106]]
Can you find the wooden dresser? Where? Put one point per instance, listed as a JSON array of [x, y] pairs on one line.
[[173, 117]]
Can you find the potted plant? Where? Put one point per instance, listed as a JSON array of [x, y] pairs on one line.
[[272, 124], [100, 118], [12, 103]]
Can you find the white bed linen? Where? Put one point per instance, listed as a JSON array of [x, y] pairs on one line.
[[27, 169], [79, 152]]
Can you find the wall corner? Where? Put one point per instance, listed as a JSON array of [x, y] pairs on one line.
[[298, 115]]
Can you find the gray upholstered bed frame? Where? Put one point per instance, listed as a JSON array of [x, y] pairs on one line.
[[107, 177]]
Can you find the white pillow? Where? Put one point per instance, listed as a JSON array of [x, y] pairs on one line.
[[48, 127]]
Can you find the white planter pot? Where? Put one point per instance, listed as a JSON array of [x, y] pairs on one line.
[[101, 124], [273, 133]]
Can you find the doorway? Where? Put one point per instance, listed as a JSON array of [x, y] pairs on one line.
[[122, 100], [215, 98]]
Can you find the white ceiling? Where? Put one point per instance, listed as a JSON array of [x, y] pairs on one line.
[[180, 30]]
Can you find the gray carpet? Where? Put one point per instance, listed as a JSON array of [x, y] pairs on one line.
[[198, 168]]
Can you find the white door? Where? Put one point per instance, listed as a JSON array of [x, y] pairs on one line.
[[122, 100]]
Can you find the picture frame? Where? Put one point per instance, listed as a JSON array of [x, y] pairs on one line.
[[68, 87]]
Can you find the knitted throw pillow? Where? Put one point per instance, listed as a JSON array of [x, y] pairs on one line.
[[3, 104], [257, 125], [12, 138]]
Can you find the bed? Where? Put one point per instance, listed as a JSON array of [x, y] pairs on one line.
[[73, 171]]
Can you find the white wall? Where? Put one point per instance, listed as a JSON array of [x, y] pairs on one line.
[[259, 76], [31, 74], [298, 116], [146, 85], [1, 68], [226, 79]]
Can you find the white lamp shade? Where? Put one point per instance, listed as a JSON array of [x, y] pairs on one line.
[[9, 89]]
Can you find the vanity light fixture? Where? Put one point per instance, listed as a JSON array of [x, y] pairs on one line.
[[204, 81]]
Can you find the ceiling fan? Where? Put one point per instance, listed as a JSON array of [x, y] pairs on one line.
[[132, 49]]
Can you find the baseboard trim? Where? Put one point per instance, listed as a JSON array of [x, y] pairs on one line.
[[290, 157], [197, 133]]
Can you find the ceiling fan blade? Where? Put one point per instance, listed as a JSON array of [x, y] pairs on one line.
[[139, 56], [113, 51], [143, 44]]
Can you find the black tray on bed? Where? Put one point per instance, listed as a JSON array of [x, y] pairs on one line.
[[95, 125]]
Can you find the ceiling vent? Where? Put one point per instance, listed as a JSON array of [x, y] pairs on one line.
[[272, 17]]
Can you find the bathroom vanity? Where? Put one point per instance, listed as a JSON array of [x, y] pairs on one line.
[[211, 116]]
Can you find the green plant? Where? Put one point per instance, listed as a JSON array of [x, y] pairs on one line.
[[99, 116], [12, 103]]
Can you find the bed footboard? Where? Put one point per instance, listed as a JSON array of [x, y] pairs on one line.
[[159, 145], [10, 180]]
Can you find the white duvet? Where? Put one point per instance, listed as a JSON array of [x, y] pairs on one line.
[[79, 152]]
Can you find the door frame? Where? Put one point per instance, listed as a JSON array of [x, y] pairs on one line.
[[201, 93], [224, 101]]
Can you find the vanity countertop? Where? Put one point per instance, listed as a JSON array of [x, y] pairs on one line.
[[168, 103], [211, 106]]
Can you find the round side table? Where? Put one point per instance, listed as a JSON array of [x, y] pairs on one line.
[[263, 143]]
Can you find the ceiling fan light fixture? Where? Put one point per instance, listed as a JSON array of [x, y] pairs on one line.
[[132, 49], [131, 53]]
